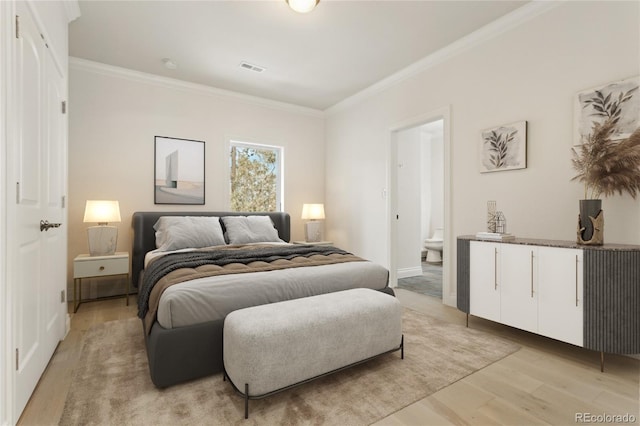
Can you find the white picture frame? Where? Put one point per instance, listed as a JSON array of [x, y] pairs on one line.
[[504, 148]]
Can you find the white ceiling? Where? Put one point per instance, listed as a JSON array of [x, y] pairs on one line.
[[314, 60]]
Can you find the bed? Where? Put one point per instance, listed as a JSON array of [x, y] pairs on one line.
[[183, 311]]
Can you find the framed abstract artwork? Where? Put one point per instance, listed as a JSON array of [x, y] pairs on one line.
[[179, 171], [618, 101], [504, 148]]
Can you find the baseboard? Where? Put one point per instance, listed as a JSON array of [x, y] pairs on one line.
[[409, 272], [67, 326]]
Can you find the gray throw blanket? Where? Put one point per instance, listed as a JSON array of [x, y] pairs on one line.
[[226, 255]]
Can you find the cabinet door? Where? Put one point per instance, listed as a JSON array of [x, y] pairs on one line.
[[560, 306], [519, 298], [484, 292]]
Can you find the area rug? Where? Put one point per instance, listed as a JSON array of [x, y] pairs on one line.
[[111, 383]]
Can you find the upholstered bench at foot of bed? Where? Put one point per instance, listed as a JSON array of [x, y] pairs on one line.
[[272, 347]]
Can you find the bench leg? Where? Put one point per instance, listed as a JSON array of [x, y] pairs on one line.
[[402, 347], [246, 400]]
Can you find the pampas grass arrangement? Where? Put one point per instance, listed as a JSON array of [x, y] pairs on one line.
[[606, 166]]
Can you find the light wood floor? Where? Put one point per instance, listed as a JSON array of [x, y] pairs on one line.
[[545, 382]]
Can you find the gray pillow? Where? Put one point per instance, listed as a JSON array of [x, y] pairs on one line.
[[178, 232], [250, 229]]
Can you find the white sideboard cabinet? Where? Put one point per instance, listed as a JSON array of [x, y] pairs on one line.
[[584, 295]]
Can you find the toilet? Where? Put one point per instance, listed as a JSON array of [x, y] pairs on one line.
[[434, 247]]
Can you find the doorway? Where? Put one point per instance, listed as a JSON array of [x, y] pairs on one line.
[[419, 182], [420, 189]]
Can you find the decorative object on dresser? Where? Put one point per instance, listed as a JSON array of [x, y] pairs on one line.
[[178, 171], [607, 157], [491, 216], [496, 225], [590, 222], [606, 167], [103, 239], [504, 148], [584, 295], [313, 213], [494, 236]]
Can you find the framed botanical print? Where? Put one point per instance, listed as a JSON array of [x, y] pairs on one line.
[[504, 148], [618, 101]]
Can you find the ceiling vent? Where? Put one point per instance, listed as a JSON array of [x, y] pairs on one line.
[[251, 67]]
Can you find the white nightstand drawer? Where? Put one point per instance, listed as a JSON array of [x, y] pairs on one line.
[[87, 266]]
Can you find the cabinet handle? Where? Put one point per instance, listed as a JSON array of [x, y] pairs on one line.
[[102, 268], [576, 280], [532, 273], [495, 268]]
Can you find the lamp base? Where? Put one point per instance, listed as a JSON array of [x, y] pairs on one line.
[[313, 231], [102, 240]]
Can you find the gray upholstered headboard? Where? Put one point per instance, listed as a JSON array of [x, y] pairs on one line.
[[144, 236]]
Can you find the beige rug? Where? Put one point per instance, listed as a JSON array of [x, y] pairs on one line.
[[111, 384]]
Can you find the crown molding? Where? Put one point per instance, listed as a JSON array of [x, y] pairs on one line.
[[72, 9], [482, 35], [175, 84]]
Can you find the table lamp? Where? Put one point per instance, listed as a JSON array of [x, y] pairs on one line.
[[313, 229], [102, 238]]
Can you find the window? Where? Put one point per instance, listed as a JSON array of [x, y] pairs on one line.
[[256, 177]]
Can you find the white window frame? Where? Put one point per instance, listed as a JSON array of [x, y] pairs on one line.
[[279, 165]]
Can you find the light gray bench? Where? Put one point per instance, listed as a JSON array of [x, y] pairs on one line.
[[270, 348]]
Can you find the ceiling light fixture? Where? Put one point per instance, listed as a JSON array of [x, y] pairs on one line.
[[302, 6], [168, 63]]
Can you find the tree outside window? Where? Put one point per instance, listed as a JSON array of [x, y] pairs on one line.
[[255, 177]]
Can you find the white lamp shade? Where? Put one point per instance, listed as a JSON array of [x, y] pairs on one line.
[[101, 211], [313, 211], [302, 6]]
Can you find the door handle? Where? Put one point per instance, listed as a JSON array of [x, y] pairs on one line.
[[576, 280], [532, 273], [495, 268], [45, 225]]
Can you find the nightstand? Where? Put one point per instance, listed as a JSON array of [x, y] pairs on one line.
[[315, 243], [85, 266]]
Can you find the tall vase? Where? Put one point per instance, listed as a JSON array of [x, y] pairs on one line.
[[591, 222]]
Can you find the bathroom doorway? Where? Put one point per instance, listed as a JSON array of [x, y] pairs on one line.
[[420, 208]]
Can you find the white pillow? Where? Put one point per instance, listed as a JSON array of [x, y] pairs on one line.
[[250, 229], [178, 232]]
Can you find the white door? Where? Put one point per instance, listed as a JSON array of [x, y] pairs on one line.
[[560, 304], [484, 283], [36, 258], [519, 295]]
